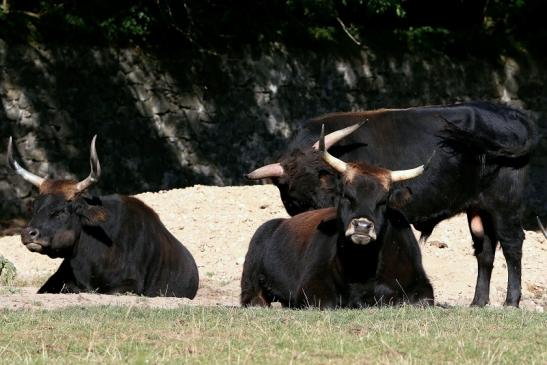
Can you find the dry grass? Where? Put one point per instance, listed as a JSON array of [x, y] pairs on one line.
[[209, 335]]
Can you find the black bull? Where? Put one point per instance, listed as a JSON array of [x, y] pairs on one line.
[[110, 244], [480, 168]]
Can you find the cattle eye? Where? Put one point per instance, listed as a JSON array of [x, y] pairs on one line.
[[348, 202], [323, 174], [348, 194], [60, 213]]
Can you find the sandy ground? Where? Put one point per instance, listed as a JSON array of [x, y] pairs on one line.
[[216, 225]]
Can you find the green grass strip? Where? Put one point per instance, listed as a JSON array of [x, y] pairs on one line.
[[214, 335]]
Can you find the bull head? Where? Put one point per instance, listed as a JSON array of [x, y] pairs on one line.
[[39, 181], [60, 212], [365, 191], [276, 169]]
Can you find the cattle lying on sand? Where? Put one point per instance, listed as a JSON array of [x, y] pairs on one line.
[[362, 253], [110, 244], [480, 169]]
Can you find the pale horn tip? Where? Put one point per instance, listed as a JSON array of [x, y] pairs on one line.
[[322, 139], [94, 160], [541, 227], [10, 153]]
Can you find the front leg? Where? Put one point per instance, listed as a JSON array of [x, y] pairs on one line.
[[62, 281]]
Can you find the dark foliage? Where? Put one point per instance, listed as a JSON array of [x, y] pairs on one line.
[[219, 25]]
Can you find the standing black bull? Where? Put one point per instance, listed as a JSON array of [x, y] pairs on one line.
[[361, 254], [110, 244], [481, 170]]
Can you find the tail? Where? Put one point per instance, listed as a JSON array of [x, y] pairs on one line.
[[509, 144]]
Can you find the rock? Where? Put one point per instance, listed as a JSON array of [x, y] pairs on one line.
[[438, 244]]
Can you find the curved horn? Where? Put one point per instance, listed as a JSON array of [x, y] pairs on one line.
[[335, 137], [401, 175], [271, 170], [95, 169], [27, 175], [541, 227], [335, 163]]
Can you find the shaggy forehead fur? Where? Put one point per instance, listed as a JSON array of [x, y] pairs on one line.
[[382, 175], [66, 188]]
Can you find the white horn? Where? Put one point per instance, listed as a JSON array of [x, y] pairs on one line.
[[541, 227], [336, 136], [401, 175], [271, 170], [334, 162], [95, 169], [27, 175]]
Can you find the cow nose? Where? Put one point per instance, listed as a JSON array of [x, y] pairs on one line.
[[363, 224], [32, 233]]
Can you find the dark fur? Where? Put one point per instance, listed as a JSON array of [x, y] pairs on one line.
[[480, 166], [307, 260], [111, 244]]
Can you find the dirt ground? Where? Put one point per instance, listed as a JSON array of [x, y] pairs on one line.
[[216, 225]]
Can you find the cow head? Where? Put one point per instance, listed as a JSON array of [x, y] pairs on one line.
[[304, 180], [366, 193], [60, 211]]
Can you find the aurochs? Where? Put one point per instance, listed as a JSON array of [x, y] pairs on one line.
[[110, 244], [362, 253], [480, 168]]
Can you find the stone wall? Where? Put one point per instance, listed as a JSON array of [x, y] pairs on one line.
[[171, 119]]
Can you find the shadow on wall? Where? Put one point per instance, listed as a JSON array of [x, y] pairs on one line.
[[53, 103], [169, 120]]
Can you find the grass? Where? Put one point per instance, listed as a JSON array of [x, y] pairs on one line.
[[7, 271], [212, 335]]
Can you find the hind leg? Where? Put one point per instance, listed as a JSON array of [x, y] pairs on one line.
[[484, 243], [511, 237]]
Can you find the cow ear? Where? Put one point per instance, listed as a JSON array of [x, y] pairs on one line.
[[94, 216], [328, 226], [91, 215], [399, 198], [397, 218]]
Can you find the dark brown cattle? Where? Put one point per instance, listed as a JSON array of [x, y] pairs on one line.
[[480, 169], [362, 253], [110, 244]]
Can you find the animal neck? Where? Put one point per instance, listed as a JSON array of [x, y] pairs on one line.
[[106, 232], [358, 263]]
